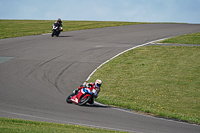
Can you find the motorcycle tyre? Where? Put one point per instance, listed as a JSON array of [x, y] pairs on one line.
[[52, 34], [85, 101], [57, 34], [68, 100]]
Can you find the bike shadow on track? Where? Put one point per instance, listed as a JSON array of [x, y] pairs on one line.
[[65, 36], [107, 106], [96, 106]]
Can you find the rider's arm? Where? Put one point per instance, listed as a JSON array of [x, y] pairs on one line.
[[95, 94], [89, 85], [77, 89]]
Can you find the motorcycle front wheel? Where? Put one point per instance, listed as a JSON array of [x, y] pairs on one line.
[[57, 33], [83, 100], [68, 100], [52, 34]]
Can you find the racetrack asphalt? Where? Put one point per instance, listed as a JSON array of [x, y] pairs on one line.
[[38, 72]]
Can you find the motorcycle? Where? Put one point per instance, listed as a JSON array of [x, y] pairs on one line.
[[83, 96], [56, 30]]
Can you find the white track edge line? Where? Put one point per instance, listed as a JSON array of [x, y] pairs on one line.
[[120, 54], [66, 122], [152, 42]]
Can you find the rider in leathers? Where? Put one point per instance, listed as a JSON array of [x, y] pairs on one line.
[[92, 86], [59, 24]]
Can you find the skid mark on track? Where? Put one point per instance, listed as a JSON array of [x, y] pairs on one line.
[[43, 63], [37, 70], [58, 77]]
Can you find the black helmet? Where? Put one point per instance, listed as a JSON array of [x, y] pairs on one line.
[[59, 20]]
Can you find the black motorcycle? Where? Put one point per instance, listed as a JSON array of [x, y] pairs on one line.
[[56, 29]]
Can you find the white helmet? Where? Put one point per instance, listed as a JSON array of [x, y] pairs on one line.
[[98, 83]]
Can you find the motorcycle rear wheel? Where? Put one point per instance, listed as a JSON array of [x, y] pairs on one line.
[[83, 100]]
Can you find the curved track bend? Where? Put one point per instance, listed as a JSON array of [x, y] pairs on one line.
[[39, 72]]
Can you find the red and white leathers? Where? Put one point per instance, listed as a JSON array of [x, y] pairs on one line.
[[92, 87], [88, 87]]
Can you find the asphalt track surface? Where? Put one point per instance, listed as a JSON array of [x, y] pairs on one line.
[[38, 72]]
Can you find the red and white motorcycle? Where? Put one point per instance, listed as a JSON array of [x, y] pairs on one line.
[[84, 96]]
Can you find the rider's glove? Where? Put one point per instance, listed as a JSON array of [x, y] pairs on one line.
[[88, 85], [75, 91]]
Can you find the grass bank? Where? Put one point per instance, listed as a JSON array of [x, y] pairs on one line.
[[19, 126], [159, 80], [18, 28], [184, 39]]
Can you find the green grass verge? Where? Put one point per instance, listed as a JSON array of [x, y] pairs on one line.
[[184, 39], [18, 28], [161, 80], [19, 126]]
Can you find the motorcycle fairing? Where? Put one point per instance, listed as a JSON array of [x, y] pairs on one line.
[[86, 91]]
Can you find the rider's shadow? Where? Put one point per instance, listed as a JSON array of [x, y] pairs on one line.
[[96, 106], [64, 36]]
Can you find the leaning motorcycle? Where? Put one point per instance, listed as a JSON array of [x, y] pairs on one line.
[[83, 97], [56, 30]]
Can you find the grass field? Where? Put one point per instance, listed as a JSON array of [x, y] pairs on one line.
[[160, 80], [23, 126], [18, 28], [184, 39]]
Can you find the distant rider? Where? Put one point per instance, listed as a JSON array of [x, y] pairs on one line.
[[94, 88], [59, 24]]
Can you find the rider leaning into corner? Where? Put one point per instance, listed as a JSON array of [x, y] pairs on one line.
[[59, 24], [94, 87]]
